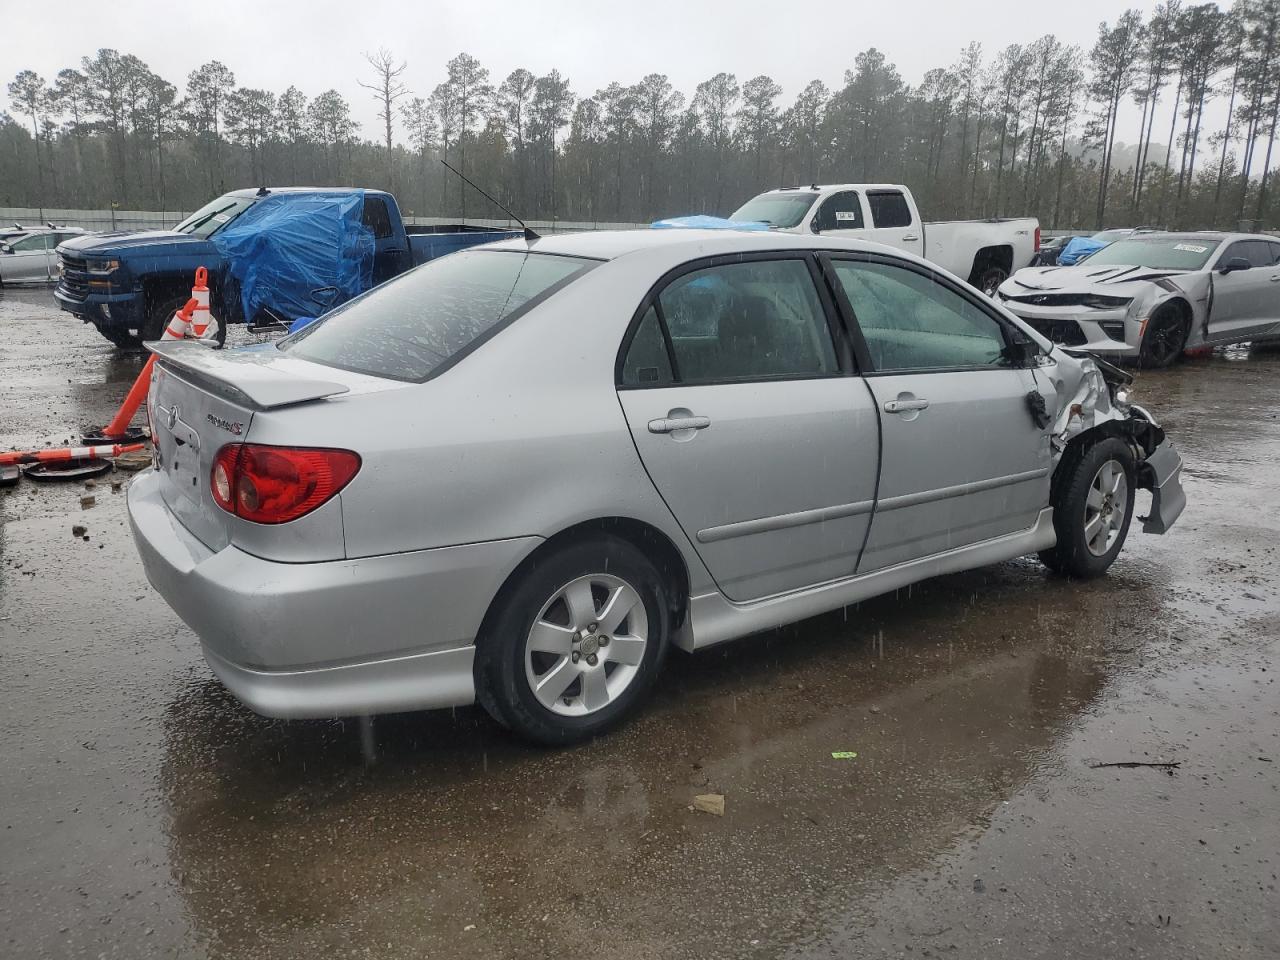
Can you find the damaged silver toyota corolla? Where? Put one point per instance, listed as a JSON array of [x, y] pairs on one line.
[[519, 473], [1151, 296]]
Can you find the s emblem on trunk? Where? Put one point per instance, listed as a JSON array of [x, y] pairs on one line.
[[233, 427]]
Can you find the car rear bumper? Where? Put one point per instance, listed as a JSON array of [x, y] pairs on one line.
[[339, 638]]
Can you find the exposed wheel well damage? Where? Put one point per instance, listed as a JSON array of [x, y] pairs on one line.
[[1141, 434], [655, 544]]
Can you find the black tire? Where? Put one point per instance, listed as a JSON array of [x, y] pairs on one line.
[[1073, 512], [1165, 338], [991, 279], [159, 312], [503, 683]]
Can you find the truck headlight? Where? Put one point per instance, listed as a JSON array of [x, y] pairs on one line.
[[101, 268]]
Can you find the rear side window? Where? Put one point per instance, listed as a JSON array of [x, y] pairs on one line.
[[421, 322], [737, 321], [376, 218], [647, 363], [889, 209]]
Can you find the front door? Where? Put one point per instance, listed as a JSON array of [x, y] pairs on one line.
[[962, 457], [762, 446], [29, 262], [1244, 301]]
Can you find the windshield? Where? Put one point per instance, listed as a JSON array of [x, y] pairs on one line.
[[775, 209], [417, 324], [1158, 253], [215, 215], [1109, 235]]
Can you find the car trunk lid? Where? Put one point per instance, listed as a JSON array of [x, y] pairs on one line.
[[201, 399]]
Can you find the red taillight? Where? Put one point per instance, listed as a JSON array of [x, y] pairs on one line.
[[1037, 238], [278, 484]]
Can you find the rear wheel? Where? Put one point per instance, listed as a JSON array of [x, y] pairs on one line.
[[1165, 338], [991, 279], [1092, 509], [574, 643]]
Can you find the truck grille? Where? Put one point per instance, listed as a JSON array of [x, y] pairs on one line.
[[75, 277], [1065, 332]]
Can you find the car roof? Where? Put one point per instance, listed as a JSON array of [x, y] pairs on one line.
[[253, 191], [612, 244]]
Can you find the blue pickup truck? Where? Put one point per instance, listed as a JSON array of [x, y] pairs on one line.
[[272, 254]]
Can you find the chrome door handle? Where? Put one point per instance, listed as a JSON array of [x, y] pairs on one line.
[[1275, 278], [672, 424], [910, 236], [902, 406]]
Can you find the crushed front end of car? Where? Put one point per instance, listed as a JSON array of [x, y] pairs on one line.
[[1094, 402]]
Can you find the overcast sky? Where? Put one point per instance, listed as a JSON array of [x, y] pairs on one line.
[[318, 44]]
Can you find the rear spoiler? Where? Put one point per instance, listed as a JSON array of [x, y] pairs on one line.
[[262, 378]]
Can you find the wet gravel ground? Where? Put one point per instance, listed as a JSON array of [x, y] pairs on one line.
[[144, 813]]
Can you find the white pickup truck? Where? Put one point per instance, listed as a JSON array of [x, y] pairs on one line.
[[984, 252]]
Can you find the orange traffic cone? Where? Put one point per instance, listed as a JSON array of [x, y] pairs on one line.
[[204, 325]]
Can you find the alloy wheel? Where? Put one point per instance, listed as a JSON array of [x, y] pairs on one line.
[[586, 645], [1105, 507]]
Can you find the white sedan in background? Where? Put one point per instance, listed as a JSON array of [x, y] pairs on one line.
[[1149, 297]]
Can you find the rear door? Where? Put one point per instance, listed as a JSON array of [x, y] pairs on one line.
[[749, 424], [962, 459], [1244, 301], [894, 222]]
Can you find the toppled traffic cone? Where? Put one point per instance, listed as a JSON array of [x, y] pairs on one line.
[[177, 329]]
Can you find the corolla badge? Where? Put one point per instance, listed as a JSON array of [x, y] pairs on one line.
[[231, 426]]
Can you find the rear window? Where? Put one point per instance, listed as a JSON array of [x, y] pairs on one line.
[[424, 321]]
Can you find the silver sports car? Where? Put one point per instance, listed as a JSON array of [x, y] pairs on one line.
[[520, 473], [1152, 296]]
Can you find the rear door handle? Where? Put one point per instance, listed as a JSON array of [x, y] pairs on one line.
[[902, 406], [672, 424], [910, 236], [1275, 278]]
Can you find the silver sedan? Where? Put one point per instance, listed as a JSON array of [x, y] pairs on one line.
[[520, 473], [27, 254]]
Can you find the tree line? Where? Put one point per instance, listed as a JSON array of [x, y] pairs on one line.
[[1042, 129]]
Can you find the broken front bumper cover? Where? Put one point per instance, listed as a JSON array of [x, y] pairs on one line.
[[1162, 474]]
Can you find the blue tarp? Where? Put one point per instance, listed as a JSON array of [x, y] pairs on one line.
[[288, 245], [1078, 247], [703, 222]]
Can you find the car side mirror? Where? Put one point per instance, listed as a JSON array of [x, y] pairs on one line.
[[813, 226], [1234, 264], [1022, 351]]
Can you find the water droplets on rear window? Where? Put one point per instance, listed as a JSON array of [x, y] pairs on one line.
[[418, 323]]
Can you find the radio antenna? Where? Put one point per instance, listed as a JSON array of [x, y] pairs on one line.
[[528, 234]]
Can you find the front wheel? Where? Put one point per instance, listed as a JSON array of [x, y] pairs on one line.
[[574, 643], [1164, 339], [1092, 508]]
